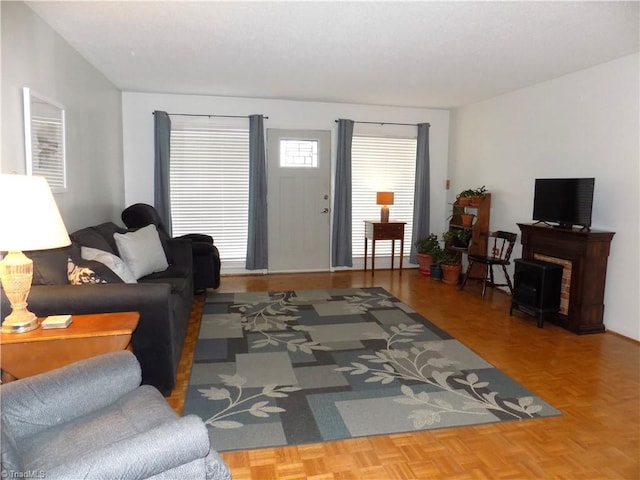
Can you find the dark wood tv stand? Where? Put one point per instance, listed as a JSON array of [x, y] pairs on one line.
[[588, 251]]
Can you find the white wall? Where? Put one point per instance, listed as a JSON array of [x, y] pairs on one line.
[[35, 56], [581, 125], [137, 111]]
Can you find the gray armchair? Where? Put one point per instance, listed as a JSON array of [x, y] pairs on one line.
[[92, 419]]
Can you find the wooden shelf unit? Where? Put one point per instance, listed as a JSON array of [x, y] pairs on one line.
[[479, 229]]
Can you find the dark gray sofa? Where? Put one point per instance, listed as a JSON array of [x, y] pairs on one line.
[[163, 299]]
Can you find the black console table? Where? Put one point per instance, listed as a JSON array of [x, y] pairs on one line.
[[588, 251]]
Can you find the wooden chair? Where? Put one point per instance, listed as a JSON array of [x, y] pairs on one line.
[[499, 253]]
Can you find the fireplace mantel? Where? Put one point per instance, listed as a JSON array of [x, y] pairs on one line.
[[588, 252]]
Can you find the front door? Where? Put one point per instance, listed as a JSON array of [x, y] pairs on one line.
[[298, 198]]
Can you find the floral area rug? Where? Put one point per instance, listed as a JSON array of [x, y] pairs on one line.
[[286, 368]]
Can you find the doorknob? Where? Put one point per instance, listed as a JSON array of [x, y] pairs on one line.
[[326, 210]]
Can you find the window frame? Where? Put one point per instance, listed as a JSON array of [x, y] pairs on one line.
[[202, 175], [365, 207]]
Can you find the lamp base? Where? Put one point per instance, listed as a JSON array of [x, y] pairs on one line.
[[20, 322], [384, 214], [16, 273]]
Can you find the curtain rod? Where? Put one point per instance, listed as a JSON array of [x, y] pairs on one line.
[[204, 115], [388, 123]]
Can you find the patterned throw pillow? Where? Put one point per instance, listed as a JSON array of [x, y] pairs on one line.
[[111, 261], [78, 275]]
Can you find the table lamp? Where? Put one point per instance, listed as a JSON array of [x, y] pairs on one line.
[[30, 221], [384, 199]]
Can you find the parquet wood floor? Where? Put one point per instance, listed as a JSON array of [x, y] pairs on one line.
[[594, 380]]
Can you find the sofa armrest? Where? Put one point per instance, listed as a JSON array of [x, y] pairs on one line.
[[198, 237], [46, 300], [182, 257], [33, 404], [203, 248], [152, 339], [144, 455]]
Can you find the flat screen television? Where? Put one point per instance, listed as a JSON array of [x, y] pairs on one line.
[[564, 202]]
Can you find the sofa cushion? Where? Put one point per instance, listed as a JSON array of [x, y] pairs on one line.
[[112, 261], [10, 457], [84, 272], [107, 229], [50, 266], [139, 411], [79, 275], [90, 237], [142, 251]]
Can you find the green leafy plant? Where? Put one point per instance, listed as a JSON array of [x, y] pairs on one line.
[[470, 192], [465, 236], [441, 256], [428, 245], [458, 237], [449, 236], [449, 258], [473, 192], [480, 191]]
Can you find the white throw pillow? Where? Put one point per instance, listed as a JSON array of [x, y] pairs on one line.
[[112, 261], [142, 251]]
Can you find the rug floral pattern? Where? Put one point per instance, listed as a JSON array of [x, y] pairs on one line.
[[295, 367]]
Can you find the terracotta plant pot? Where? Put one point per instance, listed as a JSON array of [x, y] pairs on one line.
[[466, 219], [475, 200], [425, 261], [451, 274]]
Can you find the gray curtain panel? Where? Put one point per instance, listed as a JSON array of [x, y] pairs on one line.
[[162, 200], [341, 253], [422, 191], [257, 235]]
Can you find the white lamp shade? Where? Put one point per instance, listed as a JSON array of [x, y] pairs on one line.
[[29, 215]]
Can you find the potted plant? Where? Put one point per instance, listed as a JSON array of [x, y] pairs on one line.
[[451, 267], [435, 269], [426, 247], [464, 197], [466, 219], [449, 236], [477, 196], [457, 237], [463, 238]]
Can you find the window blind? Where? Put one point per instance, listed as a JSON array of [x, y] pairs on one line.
[[209, 178], [382, 164]]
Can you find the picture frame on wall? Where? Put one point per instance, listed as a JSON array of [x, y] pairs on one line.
[[44, 136]]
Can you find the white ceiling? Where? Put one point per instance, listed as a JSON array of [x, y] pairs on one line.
[[420, 54]]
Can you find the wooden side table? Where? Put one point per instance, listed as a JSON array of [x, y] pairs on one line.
[[377, 230], [40, 350]]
